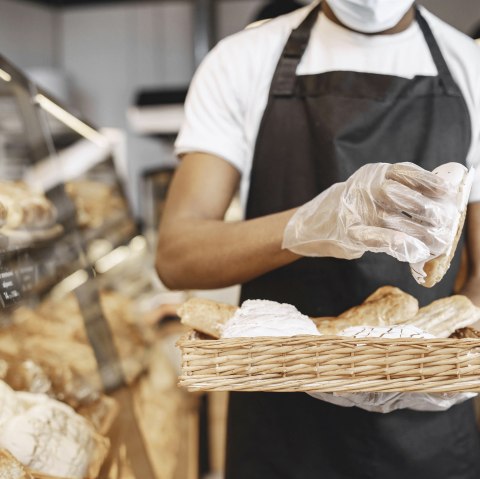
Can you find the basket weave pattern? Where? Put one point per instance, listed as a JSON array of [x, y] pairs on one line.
[[330, 364]]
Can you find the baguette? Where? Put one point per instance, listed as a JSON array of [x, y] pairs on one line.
[[442, 317]]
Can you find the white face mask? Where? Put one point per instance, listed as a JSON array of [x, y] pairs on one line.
[[370, 16]]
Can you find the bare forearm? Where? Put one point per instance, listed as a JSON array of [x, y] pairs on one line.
[[201, 253], [471, 288]]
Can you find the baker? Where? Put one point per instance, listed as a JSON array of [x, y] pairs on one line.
[[286, 110]]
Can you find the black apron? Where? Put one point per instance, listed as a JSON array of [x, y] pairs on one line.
[[317, 130]]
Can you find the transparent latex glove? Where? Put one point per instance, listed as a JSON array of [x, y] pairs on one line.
[[399, 209], [388, 402]]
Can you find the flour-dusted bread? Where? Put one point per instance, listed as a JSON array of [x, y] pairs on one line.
[[206, 316], [431, 272], [442, 317], [51, 438], [387, 306], [10, 468]]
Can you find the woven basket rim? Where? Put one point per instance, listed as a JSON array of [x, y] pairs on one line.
[[192, 337], [329, 363]]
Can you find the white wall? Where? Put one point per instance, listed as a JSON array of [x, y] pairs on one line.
[[110, 52], [462, 14], [27, 34]]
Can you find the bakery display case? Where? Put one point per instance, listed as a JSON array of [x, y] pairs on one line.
[[81, 377]]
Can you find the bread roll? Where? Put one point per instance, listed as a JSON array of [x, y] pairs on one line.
[[431, 272], [463, 333], [442, 317], [205, 315], [385, 307]]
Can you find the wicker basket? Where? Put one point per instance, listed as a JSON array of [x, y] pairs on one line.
[[330, 364]]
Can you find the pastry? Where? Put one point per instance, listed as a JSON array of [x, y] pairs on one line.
[[260, 317], [431, 272], [442, 317], [467, 332], [50, 438], [387, 306], [25, 209], [206, 316]]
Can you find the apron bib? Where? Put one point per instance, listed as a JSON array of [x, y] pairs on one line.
[[317, 130]]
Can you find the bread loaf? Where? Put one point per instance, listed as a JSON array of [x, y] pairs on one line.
[[387, 306], [206, 316], [442, 317]]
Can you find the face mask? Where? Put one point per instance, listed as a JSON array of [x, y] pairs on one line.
[[370, 16]]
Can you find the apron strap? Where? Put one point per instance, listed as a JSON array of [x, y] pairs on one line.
[[283, 82], [444, 74]]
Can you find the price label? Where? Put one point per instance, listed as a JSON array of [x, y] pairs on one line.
[[27, 276], [10, 289]]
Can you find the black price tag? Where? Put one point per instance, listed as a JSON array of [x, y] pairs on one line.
[[10, 289], [27, 276]]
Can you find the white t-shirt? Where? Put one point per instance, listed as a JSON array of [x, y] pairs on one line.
[[229, 92]]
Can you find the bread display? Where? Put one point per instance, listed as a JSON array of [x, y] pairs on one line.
[[431, 272], [49, 437], [26, 215], [206, 316], [55, 329], [95, 202], [24, 208], [387, 306], [443, 316]]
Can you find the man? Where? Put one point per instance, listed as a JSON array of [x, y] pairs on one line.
[[286, 110]]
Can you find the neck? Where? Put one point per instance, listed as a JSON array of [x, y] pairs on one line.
[[402, 25]]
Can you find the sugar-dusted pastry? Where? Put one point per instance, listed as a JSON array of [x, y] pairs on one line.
[[393, 332], [260, 317]]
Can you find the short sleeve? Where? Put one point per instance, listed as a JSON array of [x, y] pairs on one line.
[[214, 114], [474, 155]]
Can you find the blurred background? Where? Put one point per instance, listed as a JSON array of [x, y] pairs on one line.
[[100, 56]]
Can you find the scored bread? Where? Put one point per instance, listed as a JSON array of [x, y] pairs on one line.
[[443, 316], [387, 306], [429, 273], [206, 316]]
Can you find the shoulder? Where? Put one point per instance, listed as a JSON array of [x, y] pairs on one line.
[[458, 46], [260, 40]]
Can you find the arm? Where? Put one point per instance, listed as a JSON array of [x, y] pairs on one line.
[[196, 248], [471, 289]]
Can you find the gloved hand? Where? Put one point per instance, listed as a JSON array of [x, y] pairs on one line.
[[399, 209]]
